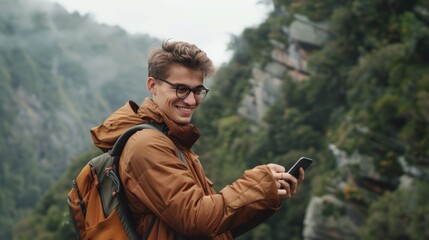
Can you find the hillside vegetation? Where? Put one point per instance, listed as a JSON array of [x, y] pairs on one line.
[[60, 74]]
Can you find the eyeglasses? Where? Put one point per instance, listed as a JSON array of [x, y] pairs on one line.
[[183, 91]]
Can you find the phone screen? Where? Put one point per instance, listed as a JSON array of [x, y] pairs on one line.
[[303, 162]]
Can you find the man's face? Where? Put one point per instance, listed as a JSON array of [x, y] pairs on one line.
[[164, 95]]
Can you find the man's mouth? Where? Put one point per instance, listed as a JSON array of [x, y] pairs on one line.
[[185, 109]]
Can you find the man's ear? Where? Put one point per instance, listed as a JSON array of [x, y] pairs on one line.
[[151, 85]]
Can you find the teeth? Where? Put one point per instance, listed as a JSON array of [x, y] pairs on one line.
[[185, 109]]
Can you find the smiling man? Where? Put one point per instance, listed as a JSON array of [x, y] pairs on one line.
[[180, 106], [167, 190]]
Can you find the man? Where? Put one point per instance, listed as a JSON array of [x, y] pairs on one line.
[[167, 190]]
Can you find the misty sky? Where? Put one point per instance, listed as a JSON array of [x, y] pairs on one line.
[[206, 23]]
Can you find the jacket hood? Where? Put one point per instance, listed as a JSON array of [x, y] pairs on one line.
[[105, 135]]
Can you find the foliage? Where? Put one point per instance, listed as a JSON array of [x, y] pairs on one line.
[[363, 95], [55, 84], [407, 219]]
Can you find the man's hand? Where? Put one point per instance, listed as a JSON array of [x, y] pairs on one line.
[[286, 183]]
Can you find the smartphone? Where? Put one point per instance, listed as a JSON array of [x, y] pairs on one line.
[[303, 163]]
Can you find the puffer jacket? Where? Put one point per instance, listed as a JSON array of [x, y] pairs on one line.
[[158, 183]]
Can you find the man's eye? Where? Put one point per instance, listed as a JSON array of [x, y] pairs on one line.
[[199, 90], [182, 89]]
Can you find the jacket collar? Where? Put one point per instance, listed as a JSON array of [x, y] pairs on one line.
[[130, 115], [184, 135]]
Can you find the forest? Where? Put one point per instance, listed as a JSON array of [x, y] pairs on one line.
[[361, 111]]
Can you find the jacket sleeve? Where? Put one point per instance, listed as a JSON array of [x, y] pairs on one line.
[[250, 200], [161, 182]]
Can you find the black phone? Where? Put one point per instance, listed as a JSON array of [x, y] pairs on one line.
[[303, 163]]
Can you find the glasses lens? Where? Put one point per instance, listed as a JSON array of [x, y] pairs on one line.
[[182, 91], [200, 93]]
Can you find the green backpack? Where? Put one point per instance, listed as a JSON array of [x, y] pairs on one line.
[[97, 203]]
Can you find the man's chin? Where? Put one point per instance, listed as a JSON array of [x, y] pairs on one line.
[[183, 121]]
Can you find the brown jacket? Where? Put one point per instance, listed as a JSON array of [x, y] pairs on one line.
[[178, 193]]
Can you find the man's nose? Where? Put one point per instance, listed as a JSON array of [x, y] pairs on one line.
[[190, 99]]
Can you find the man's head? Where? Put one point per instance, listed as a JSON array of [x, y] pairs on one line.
[[176, 74]]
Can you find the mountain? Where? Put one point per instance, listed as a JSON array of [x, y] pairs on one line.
[[61, 73], [343, 82]]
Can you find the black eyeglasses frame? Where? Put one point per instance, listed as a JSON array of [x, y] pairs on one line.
[[188, 90]]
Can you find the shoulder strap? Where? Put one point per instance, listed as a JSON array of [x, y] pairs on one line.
[[122, 140], [119, 145]]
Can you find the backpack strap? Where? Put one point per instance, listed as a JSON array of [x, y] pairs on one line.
[[119, 145], [122, 140]]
